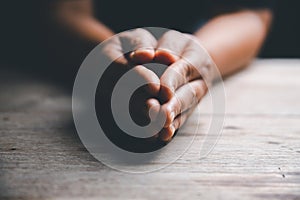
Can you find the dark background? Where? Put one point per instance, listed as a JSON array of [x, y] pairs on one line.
[[284, 38], [25, 32]]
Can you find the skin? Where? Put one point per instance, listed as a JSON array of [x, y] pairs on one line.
[[232, 40]]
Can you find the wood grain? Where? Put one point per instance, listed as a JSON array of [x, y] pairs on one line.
[[257, 156]]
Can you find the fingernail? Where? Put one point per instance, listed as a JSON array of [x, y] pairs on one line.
[[170, 120], [167, 137], [172, 129], [172, 133], [145, 50], [132, 54]]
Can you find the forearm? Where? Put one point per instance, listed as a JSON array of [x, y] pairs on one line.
[[234, 39], [91, 30], [76, 17]]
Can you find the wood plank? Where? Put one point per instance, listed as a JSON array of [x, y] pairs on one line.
[[257, 156]]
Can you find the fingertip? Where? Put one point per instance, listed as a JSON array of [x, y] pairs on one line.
[[142, 56], [165, 57], [167, 111], [153, 88], [166, 93], [167, 133], [152, 82], [154, 108]]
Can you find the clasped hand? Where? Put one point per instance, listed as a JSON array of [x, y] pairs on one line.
[[174, 94]]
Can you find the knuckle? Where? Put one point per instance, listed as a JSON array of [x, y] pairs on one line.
[[198, 91], [180, 103], [195, 93], [140, 31], [180, 121], [183, 70], [188, 71], [143, 39], [171, 33]]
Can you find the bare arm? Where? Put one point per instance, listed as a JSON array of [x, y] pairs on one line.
[[231, 39], [234, 39], [77, 16]]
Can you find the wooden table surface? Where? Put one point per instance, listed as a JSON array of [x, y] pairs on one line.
[[256, 157]]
